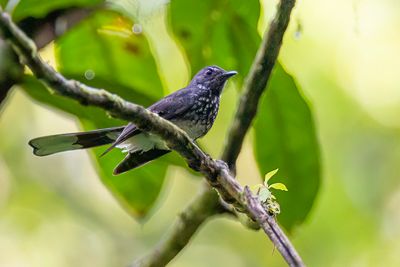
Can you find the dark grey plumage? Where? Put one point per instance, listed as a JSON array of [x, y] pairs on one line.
[[193, 108]]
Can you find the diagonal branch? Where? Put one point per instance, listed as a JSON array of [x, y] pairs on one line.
[[217, 173]]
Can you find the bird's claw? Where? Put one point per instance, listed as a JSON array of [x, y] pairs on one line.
[[222, 164]]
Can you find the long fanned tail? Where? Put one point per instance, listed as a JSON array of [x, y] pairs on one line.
[[138, 158], [51, 144]]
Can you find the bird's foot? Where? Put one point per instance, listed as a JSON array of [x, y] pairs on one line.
[[222, 164]]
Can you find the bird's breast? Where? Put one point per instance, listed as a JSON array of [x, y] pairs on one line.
[[198, 120]]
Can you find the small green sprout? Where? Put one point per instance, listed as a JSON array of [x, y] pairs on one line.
[[279, 186], [265, 195]]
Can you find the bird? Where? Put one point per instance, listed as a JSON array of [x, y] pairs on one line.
[[193, 108]]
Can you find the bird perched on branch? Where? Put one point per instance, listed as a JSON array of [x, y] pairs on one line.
[[193, 109]]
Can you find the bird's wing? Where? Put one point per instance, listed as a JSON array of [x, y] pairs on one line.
[[169, 107], [174, 105]]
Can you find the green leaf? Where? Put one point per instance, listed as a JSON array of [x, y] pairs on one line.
[[40, 8], [96, 53], [269, 175], [3, 3], [278, 186], [285, 137], [217, 32]]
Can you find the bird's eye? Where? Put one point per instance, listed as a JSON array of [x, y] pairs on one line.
[[209, 72]]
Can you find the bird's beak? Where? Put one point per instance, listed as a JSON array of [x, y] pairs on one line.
[[229, 74]]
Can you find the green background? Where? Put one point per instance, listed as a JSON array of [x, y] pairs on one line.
[[329, 122]]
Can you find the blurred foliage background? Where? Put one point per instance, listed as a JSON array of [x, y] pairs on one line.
[[329, 121]]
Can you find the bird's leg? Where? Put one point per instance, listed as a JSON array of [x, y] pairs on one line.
[[194, 165]]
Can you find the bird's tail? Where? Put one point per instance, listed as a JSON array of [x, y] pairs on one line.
[[139, 158], [47, 145]]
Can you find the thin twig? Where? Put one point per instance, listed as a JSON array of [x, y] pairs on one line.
[[216, 172]]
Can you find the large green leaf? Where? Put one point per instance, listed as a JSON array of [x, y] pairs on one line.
[[40, 8], [285, 138], [101, 52], [221, 32], [105, 48]]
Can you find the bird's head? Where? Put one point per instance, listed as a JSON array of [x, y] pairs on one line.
[[212, 78]]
